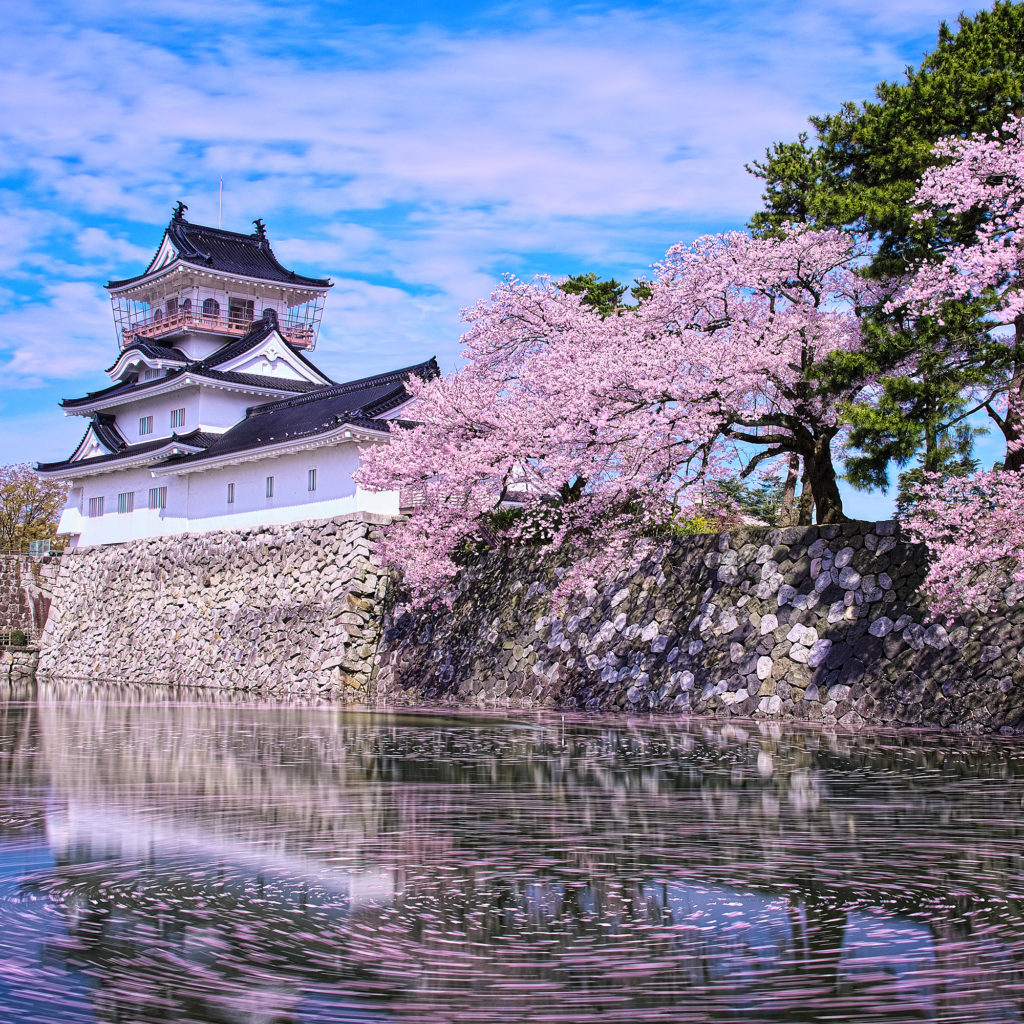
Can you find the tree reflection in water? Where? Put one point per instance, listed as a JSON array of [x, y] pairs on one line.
[[203, 860]]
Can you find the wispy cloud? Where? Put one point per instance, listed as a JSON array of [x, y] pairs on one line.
[[413, 161]]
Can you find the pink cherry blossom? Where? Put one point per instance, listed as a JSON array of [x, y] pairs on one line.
[[974, 527], [602, 430]]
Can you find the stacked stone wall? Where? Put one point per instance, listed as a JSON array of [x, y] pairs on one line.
[[818, 623], [277, 609], [17, 664], [26, 589]]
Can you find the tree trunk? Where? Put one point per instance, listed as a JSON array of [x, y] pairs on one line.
[[1013, 425], [931, 442], [805, 509], [820, 473], [789, 491]]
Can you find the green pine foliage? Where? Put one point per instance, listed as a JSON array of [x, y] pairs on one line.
[[860, 172], [762, 502]]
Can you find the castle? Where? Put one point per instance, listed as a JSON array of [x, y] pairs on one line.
[[217, 417]]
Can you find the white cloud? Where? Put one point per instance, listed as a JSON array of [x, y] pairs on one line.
[[67, 335], [423, 158]]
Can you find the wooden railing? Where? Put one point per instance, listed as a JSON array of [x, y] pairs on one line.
[[298, 332]]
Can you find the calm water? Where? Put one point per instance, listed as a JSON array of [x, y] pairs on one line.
[[189, 861]]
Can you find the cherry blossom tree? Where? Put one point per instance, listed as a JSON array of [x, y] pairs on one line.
[[566, 427], [980, 179], [973, 527], [762, 316]]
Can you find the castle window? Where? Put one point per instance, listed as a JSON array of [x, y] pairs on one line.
[[95, 507], [158, 315], [211, 307], [145, 422], [231, 494], [186, 304], [240, 311], [177, 418], [270, 486], [158, 497], [126, 502], [311, 480]]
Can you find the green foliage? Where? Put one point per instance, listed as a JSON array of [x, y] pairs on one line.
[[915, 415], [13, 638], [762, 502], [30, 505], [604, 296], [955, 459], [860, 172], [864, 169]]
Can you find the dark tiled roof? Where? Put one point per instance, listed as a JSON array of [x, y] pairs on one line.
[[195, 439], [257, 380], [228, 251], [356, 402], [147, 348], [129, 389], [108, 434]]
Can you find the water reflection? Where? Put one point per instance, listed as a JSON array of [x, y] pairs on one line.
[[226, 862]]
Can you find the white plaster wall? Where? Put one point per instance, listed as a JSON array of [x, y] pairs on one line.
[[213, 409], [198, 346], [198, 502], [219, 410], [159, 407]]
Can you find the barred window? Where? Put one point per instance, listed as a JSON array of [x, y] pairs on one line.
[[146, 422], [95, 507], [158, 497], [231, 494], [126, 502], [311, 480], [177, 418], [270, 486]]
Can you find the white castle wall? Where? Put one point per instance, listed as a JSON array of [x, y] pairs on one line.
[[198, 502]]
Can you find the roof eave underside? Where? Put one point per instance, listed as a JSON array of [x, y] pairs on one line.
[[298, 282]]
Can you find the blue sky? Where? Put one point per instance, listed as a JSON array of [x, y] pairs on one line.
[[411, 152]]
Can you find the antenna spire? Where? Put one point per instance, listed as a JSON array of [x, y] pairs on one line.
[[220, 202]]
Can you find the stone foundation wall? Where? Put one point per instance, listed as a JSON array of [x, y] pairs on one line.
[[18, 664], [277, 609], [26, 589], [817, 623]]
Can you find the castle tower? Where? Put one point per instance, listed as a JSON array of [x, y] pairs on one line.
[[205, 286], [216, 417]]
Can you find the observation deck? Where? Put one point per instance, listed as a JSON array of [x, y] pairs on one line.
[[299, 331]]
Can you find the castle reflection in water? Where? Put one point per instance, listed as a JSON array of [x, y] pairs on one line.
[[186, 860]]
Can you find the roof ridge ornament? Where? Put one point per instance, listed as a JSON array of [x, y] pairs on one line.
[[261, 230], [179, 210]]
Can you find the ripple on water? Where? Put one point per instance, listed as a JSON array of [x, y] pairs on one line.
[[166, 861]]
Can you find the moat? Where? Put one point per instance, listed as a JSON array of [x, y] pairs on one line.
[[174, 856]]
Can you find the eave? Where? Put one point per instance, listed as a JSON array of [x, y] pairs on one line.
[[134, 356], [84, 469], [174, 384], [345, 432], [127, 288]]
